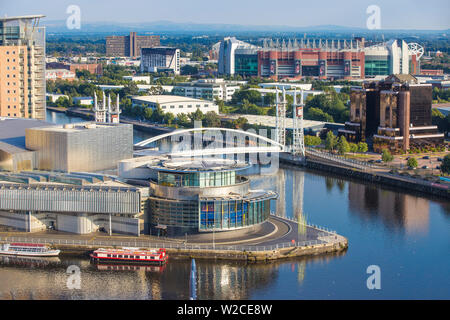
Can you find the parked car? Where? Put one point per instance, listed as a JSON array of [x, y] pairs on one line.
[[425, 167], [371, 161], [440, 159], [426, 157], [438, 167], [378, 161]]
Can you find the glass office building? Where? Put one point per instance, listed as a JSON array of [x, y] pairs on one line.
[[201, 196]]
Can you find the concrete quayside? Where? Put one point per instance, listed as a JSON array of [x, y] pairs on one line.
[[285, 239]]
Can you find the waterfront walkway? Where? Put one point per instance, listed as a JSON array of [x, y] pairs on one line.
[[277, 233]]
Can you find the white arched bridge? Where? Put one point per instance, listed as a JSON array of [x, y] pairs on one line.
[[212, 141]]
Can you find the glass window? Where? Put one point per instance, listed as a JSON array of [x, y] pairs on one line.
[[225, 215]]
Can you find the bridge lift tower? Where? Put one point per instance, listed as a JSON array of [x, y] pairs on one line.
[[281, 118], [298, 144]]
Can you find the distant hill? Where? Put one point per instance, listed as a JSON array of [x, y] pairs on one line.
[[59, 26]]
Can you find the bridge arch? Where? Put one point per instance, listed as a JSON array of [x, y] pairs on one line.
[[178, 132]]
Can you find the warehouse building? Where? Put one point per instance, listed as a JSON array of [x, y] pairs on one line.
[[73, 202], [207, 89], [175, 104]]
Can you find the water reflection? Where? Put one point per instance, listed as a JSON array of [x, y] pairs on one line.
[[395, 210], [216, 279], [412, 269]]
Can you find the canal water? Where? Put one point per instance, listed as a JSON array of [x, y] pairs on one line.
[[406, 235]]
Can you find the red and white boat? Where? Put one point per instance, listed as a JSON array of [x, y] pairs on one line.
[[28, 249], [130, 255]]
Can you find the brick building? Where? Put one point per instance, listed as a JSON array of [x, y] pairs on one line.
[[129, 46]]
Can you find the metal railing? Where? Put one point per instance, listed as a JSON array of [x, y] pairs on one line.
[[166, 245], [295, 220], [351, 162]]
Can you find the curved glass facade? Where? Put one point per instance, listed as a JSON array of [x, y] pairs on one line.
[[205, 196], [232, 214], [197, 179]]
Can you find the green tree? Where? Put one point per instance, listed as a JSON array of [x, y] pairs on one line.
[[211, 120], [269, 99], [412, 162], [312, 140], [362, 147], [168, 118], [220, 104], [239, 123], [318, 115], [386, 156], [188, 70], [148, 113], [353, 147], [157, 115], [62, 102], [445, 165], [196, 116], [342, 145], [183, 120], [330, 141], [251, 96]]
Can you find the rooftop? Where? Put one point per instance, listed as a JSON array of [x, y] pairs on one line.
[[187, 166], [27, 17], [167, 99], [12, 130], [77, 127]]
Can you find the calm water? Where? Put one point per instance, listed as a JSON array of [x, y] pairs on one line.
[[407, 236]]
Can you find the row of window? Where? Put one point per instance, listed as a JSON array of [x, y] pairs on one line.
[[229, 214], [201, 179], [127, 256], [181, 106]]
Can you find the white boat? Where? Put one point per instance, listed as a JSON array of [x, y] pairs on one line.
[[27, 249]]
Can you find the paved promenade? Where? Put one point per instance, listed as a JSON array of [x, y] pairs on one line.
[[275, 233]]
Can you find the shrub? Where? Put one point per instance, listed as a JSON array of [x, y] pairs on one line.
[[386, 156], [445, 166], [362, 147], [412, 162]]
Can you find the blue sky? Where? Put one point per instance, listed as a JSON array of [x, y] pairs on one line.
[[395, 14]]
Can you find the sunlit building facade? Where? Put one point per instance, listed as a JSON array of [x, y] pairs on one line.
[[22, 67], [189, 196]]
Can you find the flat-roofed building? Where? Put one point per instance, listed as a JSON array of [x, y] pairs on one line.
[[129, 46], [83, 146], [14, 156], [74, 202], [160, 59], [395, 114], [175, 104], [208, 89], [192, 196]]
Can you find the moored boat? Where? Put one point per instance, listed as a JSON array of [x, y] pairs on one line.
[[130, 255], [28, 250]]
